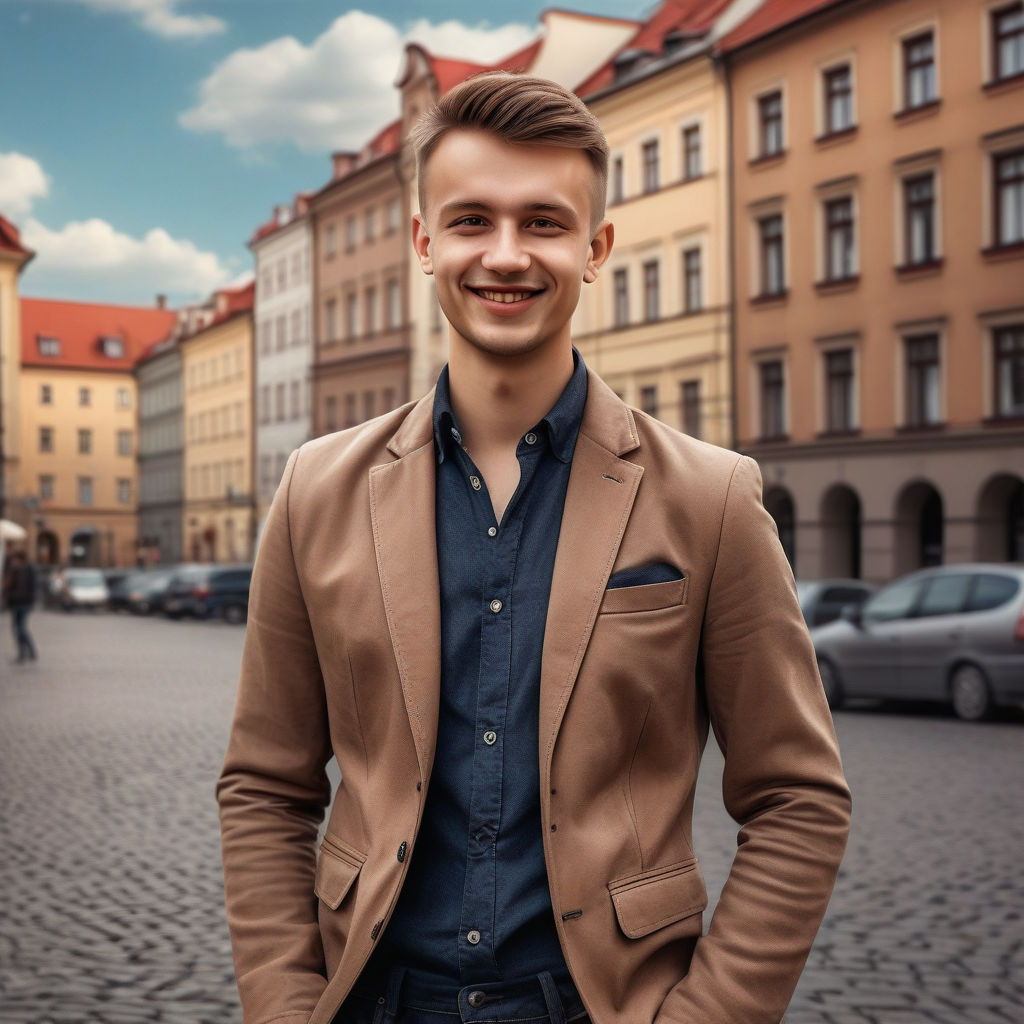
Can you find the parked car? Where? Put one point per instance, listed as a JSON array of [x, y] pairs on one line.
[[821, 601], [117, 587], [147, 590], [954, 634], [80, 588], [206, 591]]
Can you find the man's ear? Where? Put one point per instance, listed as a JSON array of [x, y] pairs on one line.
[[599, 251], [421, 243]]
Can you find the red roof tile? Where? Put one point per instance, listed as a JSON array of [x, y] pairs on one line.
[[81, 327], [228, 303], [770, 17], [10, 239]]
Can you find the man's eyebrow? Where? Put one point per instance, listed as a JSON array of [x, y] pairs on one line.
[[463, 206]]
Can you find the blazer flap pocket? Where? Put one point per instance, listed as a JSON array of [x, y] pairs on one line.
[[646, 597], [649, 901], [336, 870]]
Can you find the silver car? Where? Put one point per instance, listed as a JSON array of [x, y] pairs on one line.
[[954, 633]]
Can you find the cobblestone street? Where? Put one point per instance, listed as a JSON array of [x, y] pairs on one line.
[[110, 866]]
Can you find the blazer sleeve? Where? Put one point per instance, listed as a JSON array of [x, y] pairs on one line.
[[783, 781], [273, 788]]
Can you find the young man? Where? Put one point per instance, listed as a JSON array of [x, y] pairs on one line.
[[511, 611], [19, 591]]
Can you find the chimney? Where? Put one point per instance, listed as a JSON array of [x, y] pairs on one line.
[[161, 302], [343, 164]]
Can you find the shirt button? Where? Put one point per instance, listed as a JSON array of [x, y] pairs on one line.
[[475, 481], [496, 606], [492, 531], [490, 737], [531, 438], [473, 937], [476, 998]]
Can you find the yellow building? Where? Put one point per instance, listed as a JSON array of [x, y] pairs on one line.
[[219, 522], [77, 444], [656, 325], [13, 258]]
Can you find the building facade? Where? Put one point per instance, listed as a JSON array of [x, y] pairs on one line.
[[219, 515], [879, 266], [78, 431], [284, 351]]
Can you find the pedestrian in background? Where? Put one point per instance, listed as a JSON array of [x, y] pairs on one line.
[[20, 596]]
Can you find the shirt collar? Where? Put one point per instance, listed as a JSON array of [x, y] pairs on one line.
[[561, 425]]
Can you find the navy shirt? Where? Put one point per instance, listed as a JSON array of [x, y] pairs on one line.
[[475, 906]]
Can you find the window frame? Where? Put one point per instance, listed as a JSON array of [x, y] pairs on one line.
[[998, 158], [767, 245], [692, 155], [829, 93], [771, 421], [693, 280], [840, 418], [620, 297], [909, 67], [652, 290], [650, 164], [917, 381], [999, 74], [764, 152], [845, 232], [1014, 357]]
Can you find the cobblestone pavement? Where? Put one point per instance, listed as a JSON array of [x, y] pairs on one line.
[[110, 866]]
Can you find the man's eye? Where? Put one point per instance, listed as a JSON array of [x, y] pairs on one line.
[[469, 222], [544, 224]]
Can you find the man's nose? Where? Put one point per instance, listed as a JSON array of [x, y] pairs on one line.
[[505, 253]]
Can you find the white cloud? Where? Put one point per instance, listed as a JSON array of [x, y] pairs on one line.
[[91, 259], [22, 181], [161, 17], [336, 92]]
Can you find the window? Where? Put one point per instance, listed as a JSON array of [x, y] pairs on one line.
[[691, 407], [945, 595], [296, 319], [84, 396], [621, 289], [46, 487], [48, 346], [388, 399], [1009, 205], [85, 490], [769, 111], [279, 398], [369, 402], [1009, 364], [351, 233], [124, 442], [124, 491], [692, 166], [919, 70], [330, 321], [919, 219], [649, 400], [265, 403], [839, 411], [838, 84], [652, 300], [394, 215], [113, 348], [281, 332], [1008, 41], [330, 241], [650, 166], [295, 389], [839, 244], [991, 590], [922, 372], [84, 441], [773, 424], [264, 333], [282, 274], [46, 439], [124, 398], [267, 281], [296, 269], [331, 412], [351, 317], [350, 409], [394, 305], [46, 394], [693, 287], [370, 312], [618, 180], [773, 278], [894, 602], [370, 224]]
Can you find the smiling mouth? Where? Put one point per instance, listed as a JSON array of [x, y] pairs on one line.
[[505, 296]]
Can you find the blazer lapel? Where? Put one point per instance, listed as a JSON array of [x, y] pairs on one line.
[[602, 489], [405, 541]]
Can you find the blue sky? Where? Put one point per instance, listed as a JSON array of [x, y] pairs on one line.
[[142, 141]]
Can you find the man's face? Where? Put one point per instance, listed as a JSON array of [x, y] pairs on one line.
[[505, 230]]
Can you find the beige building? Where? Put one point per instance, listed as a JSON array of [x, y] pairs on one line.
[[13, 259], [77, 459], [656, 325], [219, 521], [879, 267]]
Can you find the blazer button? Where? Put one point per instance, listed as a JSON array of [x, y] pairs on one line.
[[473, 937], [401, 852], [476, 998]]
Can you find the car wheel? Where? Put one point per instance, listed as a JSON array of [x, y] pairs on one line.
[[830, 683], [233, 613], [970, 694]]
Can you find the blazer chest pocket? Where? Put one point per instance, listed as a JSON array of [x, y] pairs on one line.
[[659, 897], [644, 598], [336, 869]]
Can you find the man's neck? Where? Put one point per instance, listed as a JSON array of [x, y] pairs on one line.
[[496, 400]]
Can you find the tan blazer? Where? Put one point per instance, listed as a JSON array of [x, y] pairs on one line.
[[342, 658]]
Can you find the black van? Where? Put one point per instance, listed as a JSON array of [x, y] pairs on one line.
[[209, 591]]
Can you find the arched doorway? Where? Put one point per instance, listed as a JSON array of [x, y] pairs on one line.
[[840, 532], [920, 527], [47, 548], [779, 503], [84, 547], [1001, 519]]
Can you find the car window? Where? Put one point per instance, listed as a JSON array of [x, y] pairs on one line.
[[86, 576], [894, 602], [845, 595], [945, 594], [991, 590]]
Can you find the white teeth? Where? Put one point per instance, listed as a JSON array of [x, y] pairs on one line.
[[505, 296]]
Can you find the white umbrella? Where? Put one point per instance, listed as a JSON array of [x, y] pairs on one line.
[[11, 531]]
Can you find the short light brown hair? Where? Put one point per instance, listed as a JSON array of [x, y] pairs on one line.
[[517, 109]]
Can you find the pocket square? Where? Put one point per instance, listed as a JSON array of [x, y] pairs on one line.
[[640, 575]]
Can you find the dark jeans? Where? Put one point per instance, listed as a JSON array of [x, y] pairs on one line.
[[406, 997], [19, 622]]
